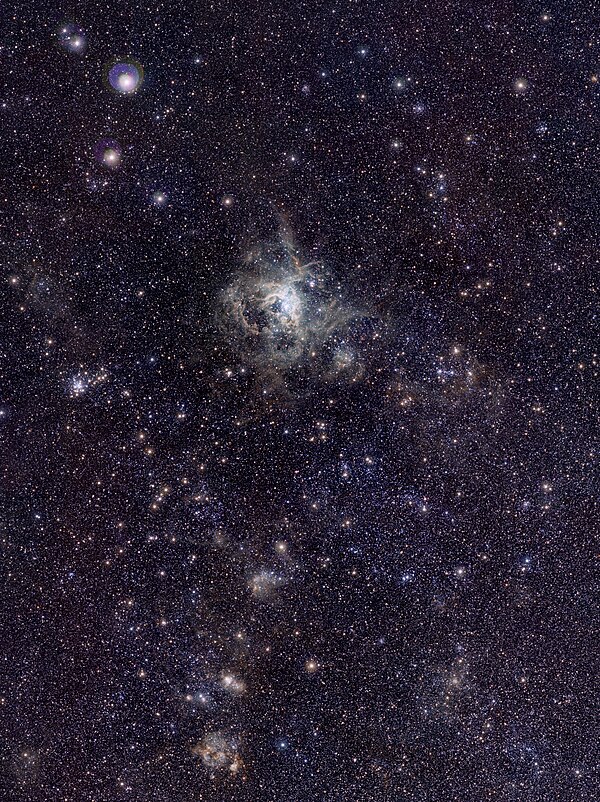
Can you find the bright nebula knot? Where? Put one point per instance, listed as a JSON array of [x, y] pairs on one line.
[[125, 77]]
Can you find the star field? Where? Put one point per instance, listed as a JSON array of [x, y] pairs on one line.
[[299, 365]]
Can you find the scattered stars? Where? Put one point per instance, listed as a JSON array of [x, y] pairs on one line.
[[299, 403]]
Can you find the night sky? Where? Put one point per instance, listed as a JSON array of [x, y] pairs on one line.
[[298, 401]]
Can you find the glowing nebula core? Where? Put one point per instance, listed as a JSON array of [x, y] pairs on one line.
[[72, 38], [125, 77], [283, 315], [108, 153]]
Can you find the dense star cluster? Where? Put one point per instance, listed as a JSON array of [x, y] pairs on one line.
[[298, 402]]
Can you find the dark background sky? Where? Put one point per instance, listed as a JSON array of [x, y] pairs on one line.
[[298, 402]]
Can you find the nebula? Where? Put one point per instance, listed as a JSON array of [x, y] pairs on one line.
[[219, 753], [125, 77], [289, 319]]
